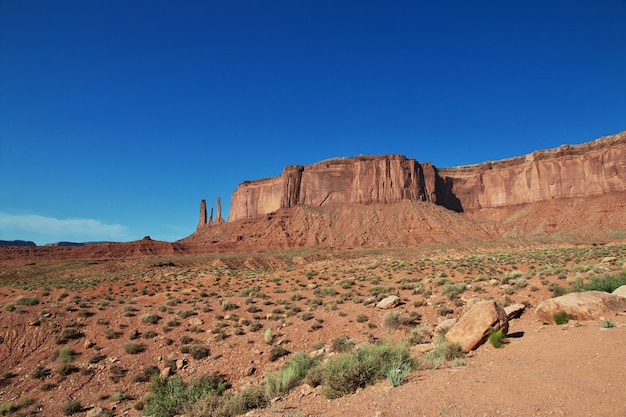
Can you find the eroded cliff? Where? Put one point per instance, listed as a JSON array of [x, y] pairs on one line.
[[590, 169]]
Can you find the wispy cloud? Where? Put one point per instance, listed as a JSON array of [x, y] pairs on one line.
[[59, 229]]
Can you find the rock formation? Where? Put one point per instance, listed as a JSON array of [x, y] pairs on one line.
[[590, 169], [203, 219], [203, 215]]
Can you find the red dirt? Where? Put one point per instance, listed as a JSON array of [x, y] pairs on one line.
[[568, 370]]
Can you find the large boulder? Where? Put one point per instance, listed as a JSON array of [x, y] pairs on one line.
[[589, 305], [475, 326], [621, 291]]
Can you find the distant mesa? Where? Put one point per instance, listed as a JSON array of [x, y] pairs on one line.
[[65, 244], [17, 243]]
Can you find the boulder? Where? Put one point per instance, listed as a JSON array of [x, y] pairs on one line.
[[388, 302], [621, 291], [514, 311], [475, 326], [445, 325], [589, 305]]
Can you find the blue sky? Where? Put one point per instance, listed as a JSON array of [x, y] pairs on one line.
[[117, 117]]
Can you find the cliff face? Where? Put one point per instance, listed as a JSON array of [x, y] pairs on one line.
[[359, 180], [591, 169]]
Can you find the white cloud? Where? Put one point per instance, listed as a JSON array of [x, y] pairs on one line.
[[59, 229]]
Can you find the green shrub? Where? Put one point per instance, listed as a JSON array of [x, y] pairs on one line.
[[27, 301], [453, 290], [277, 352], [171, 396], [341, 344], [496, 337], [444, 351], [134, 348], [67, 334], [9, 307], [418, 336], [149, 318], [346, 373], [268, 336], [279, 383], [397, 373], [606, 283], [198, 351], [72, 407], [561, 318], [250, 398]]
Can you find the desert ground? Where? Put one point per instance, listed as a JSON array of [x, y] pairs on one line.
[[90, 333]]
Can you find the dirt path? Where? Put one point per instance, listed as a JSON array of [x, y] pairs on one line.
[[572, 370]]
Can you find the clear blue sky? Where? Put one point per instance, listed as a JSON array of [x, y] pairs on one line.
[[118, 116]]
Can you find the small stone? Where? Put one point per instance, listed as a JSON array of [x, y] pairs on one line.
[[165, 373], [388, 302], [445, 325], [180, 364], [195, 321], [88, 344], [249, 371]]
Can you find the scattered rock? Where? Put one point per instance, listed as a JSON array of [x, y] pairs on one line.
[[421, 348], [88, 344], [195, 321], [494, 282], [589, 305], [318, 352], [249, 371], [621, 291], [165, 372], [514, 311], [388, 302], [445, 325], [609, 260], [180, 364], [306, 389], [475, 326], [95, 412]]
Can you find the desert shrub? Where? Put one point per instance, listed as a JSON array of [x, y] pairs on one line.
[[606, 283], [71, 407], [150, 318], [277, 352], [146, 373], [229, 305], [63, 355], [40, 372], [134, 348], [607, 324], [346, 373], [418, 336], [279, 383], [250, 398], [150, 334], [67, 334], [397, 373], [453, 290], [361, 318], [496, 337], [392, 320], [117, 396], [561, 318], [198, 351], [7, 408], [27, 301], [341, 344], [444, 351], [116, 373], [268, 336], [9, 307], [171, 396]]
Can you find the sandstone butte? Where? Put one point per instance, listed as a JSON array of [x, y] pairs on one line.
[[590, 169], [350, 202]]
